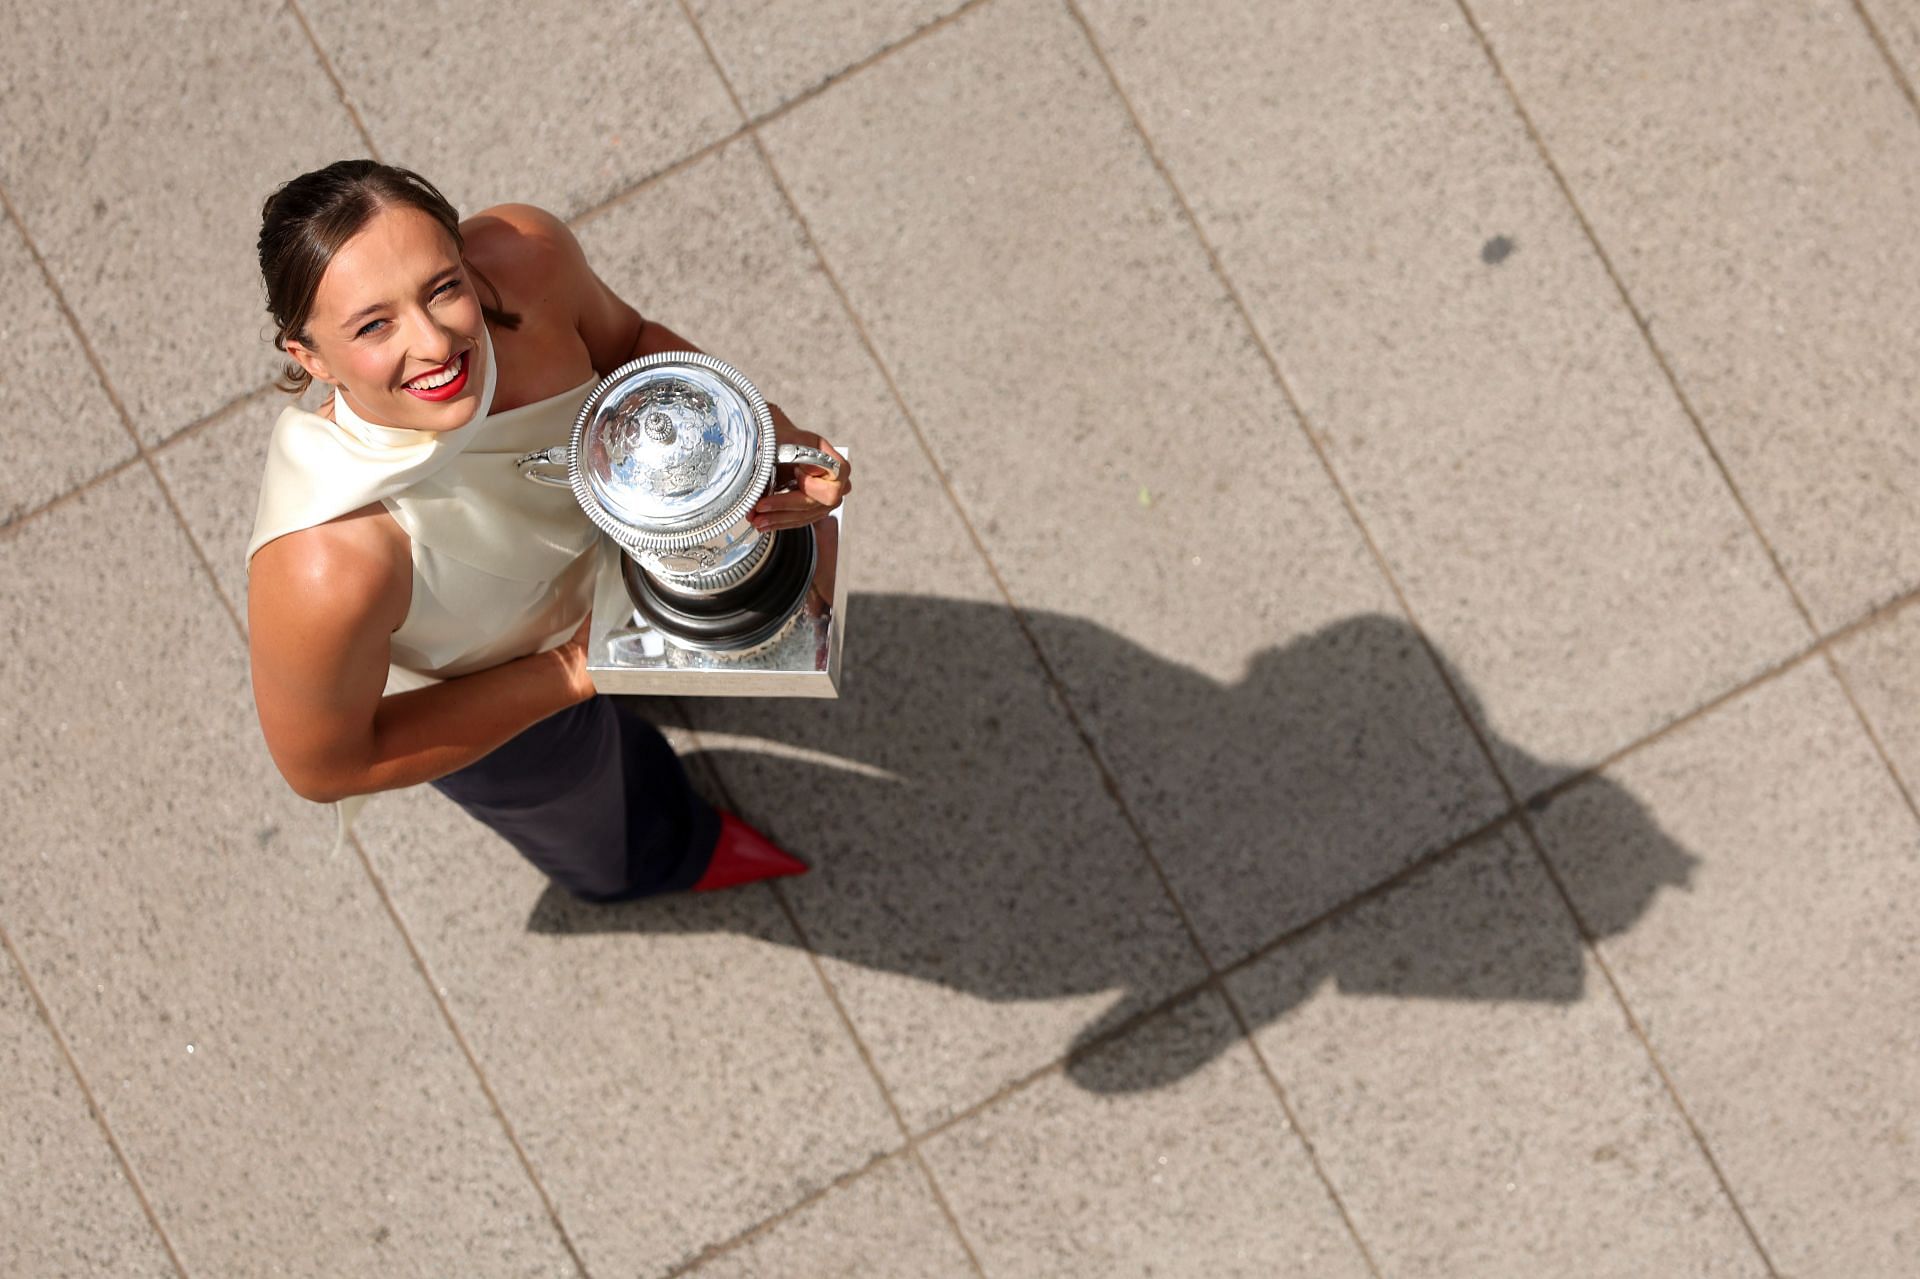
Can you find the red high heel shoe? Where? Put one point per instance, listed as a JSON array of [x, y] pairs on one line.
[[743, 855]]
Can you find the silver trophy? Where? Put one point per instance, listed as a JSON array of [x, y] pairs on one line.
[[667, 456]]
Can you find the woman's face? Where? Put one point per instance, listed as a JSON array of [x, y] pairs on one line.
[[396, 326]]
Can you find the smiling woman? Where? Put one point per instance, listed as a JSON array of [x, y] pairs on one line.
[[418, 614]]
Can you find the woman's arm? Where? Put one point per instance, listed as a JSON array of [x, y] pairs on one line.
[[322, 604], [532, 244]]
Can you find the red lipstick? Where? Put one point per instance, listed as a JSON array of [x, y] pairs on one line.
[[447, 390]]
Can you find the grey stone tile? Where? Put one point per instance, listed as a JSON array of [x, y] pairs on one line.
[[1133, 470], [1752, 171], [1781, 990], [1541, 495], [214, 476], [1475, 1095], [556, 105], [772, 51], [68, 1207], [59, 423], [140, 145], [980, 903], [1898, 22], [672, 1068], [884, 1225], [1882, 666], [1202, 1177], [249, 1019]]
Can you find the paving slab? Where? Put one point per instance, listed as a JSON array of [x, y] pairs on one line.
[[1898, 22], [557, 105], [883, 1225], [1200, 1177], [1474, 1093], [1133, 470], [1746, 167], [772, 52], [979, 901], [69, 1208], [673, 1068], [214, 476], [51, 405], [138, 151], [1882, 666], [1782, 989], [253, 1027], [1452, 337]]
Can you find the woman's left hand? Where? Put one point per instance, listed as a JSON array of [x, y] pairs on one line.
[[802, 494]]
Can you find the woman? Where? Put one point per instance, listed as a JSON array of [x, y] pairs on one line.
[[416, 610]]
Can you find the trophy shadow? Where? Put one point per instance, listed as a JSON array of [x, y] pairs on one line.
[[959, 833]]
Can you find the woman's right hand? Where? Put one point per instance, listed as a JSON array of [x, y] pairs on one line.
[[573, 661]]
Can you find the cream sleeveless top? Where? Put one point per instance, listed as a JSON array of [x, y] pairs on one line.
[[502, 567]]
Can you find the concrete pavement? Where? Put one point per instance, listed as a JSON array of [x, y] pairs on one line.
[[1380, 716]]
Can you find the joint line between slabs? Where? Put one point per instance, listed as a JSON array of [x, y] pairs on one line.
[[333, 77], [715, 770], [749, 129], [626, 194], [1821, 645], [1067, 703], [575, 221], [910, 1143], [14, 523], [1733, 489], [933, 1183], [466, 1050], [144, 455], [1634, 1024], [1518, 816], [1374, 549], [200, 424], [100, 477], [881, 366], [1519, 812], [732, 1243], [1639, 319], [1048, 673], [119, 407], [751, 123], [1213, 980], [1000, 581], [852, 69], [1824, 643], [1900, 79], [1113, 1034], [93, 1103]]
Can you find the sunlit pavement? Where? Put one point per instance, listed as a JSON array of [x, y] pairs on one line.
[[1379, 697]]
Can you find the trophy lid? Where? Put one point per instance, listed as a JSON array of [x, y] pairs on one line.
[[669, 449]]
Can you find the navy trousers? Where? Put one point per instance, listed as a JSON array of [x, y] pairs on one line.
[[595, 798]]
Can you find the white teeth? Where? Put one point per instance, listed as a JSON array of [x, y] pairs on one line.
[[441, 378]]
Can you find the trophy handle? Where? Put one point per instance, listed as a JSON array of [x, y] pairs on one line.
[[809, 456], [546, 466]]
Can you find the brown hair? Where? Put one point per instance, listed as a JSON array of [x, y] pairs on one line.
[[305, 222]]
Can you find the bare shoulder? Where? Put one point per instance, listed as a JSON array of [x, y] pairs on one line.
[[347, 574], [521, 243], [535, 261]]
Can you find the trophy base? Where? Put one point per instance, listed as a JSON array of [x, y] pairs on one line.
[[800, 657], [740, 618]]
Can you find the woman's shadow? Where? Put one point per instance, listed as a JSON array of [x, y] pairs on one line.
[[961, 835]]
